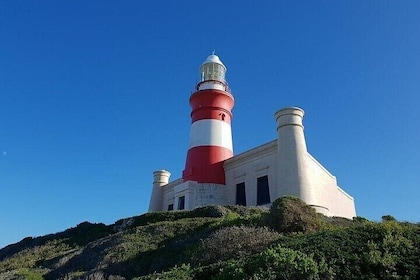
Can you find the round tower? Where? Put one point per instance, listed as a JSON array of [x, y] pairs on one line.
[[210, 135], [292, 172], [160, 178]]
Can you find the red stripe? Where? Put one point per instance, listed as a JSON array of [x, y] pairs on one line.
[[211, 104], [205, 113], [205, 164]]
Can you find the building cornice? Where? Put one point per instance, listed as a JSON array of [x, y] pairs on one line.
[[253, 154]]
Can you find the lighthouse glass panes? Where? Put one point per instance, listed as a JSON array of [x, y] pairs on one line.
[[212, 71]]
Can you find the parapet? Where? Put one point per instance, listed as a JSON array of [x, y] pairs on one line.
[[161, 177], [289, 116]]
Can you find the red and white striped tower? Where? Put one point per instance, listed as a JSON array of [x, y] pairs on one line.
[[211, 135]]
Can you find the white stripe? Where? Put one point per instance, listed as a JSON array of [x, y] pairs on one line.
[[211, 85], [211, 132]]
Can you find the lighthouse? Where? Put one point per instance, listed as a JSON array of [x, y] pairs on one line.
[[257, 177], [210, 142]]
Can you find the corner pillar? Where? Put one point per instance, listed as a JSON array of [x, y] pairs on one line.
[[292, 172], [160, 179]]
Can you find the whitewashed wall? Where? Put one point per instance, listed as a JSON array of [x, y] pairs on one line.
[[247, 167]]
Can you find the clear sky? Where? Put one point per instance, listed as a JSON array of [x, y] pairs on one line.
[[94, 98]]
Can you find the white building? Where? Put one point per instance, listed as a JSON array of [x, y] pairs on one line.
[[256, 177]]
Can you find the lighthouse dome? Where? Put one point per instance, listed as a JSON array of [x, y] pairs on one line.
[[213, 59], [213, 71]]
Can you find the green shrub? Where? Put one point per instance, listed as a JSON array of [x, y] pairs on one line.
[[276, 263], [182, 272], [388, 218], [213, 211], [84, 233], [360, 220], [366, 251], [30, 274], [338, 222], [247, 211], [290, 214], [234, 242]]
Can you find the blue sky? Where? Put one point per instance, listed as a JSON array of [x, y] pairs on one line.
[[94, 98]]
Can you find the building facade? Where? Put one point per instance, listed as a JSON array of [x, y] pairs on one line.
[[214, 176]]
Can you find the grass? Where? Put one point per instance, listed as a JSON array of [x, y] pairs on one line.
[[217, 242]]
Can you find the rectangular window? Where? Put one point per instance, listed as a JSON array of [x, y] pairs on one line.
[[170, 207], [181, 203], [240, 194], [263, 191]]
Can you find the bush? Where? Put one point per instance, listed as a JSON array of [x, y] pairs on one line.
[[360, 220], [214, 211], [30, 275], [339, 222], [388, 218], [366, 251], [84, 233], [276, 263], [290, 214], [234, 242], [247, 211], [182, 272]]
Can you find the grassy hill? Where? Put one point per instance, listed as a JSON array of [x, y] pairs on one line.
[[289, 241]]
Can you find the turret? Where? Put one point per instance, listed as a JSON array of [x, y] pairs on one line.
[[160, 179], [292, 173]]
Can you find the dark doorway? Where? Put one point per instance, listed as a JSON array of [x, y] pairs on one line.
[[240, 194], [263, 191], [181, 203]]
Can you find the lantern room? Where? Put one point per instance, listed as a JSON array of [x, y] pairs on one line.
[[212, 74]]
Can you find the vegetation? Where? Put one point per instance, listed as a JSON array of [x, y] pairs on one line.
[[289, 241]]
